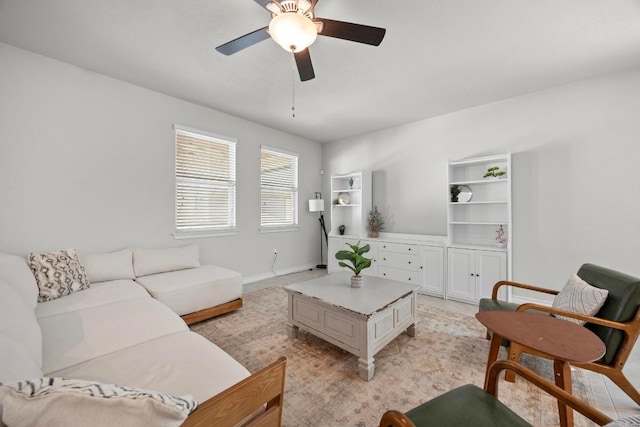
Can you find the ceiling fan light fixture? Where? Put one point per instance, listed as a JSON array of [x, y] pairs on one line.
[[293, 31]]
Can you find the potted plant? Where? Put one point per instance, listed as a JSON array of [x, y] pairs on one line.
[[341, 229], [494, 172], [375, 222], [455, 190], [358, 261], [351, 183]]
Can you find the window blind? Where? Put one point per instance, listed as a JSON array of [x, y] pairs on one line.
[[205, 184], [278, 188]]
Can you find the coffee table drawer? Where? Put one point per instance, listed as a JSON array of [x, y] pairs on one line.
[[327, 321]]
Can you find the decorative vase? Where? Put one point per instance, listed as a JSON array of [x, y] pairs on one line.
[[356, 281], [373, 234]]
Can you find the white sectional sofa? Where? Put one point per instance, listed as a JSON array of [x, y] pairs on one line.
[[114, 332], [174, 277]]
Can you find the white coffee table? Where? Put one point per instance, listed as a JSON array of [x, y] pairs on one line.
[[359, 320]]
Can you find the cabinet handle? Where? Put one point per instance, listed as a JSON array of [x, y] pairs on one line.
[[384, 259], [384, 274], [384, 246], [409, 278], [409, 262], [477, 275], [471, 274], [409, 249], [420, 267]]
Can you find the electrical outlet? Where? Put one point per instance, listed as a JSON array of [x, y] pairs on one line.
[[275, 252]]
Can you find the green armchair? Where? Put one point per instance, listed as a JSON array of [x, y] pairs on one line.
[[470, 405], [617, 323]]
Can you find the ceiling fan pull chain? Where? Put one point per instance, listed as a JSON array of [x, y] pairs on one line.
[[293, 92]]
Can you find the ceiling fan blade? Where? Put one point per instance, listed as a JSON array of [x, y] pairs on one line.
[[305, 68], [353, 32], [243, 42]]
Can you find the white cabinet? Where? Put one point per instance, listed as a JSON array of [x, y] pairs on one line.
[[350, 203], [432, 270], [480, 227], [399, 258], [472, 273]]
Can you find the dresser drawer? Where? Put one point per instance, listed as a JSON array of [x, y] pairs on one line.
[[399, 275], [398, 260], [401, 248]]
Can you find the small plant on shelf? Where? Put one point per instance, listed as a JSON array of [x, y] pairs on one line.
[[375, 222], [357, 260], [350, 183], [494, 172], [341, 229], [455, 190]]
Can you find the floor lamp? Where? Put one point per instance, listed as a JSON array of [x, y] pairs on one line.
[[317, 205]]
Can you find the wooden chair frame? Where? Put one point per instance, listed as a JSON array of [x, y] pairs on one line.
[[255, 401], [630, 330], [398, 419]]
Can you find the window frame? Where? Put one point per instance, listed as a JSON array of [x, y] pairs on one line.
[[230, 184], [295, 191]]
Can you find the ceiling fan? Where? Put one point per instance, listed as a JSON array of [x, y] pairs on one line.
[[294, 27]]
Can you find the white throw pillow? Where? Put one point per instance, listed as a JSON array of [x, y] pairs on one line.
[[109, 266], [58, 402], [579, 297], [57, 274], [152, 261]]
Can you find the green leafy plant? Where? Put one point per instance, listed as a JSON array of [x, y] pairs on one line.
[[355, 256], [455, 190], [494, 172], [375, 221]]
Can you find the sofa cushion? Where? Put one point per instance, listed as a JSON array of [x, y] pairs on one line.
[[110, 266], [98, 294], [16, 272], [180, 363], [15, 361], [57, 401], [18, 322], [579, 297], [187, 291], [152, 261], [57, 273], [77, 336], [621, 304]]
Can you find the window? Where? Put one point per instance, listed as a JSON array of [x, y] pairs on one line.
[[278, 189], [205, 184]]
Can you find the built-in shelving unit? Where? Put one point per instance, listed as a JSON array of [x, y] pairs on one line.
[[476, 259], [350, 203]]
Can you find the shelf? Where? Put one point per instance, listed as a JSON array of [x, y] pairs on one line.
[[481, 181], [480, 247], [478, 223], [479, 161], [487, 202], [352, 190], [350, 205]]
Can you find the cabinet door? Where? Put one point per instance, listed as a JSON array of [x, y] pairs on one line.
[[432, 268], [491, 267], [335, 244], [461, 278]]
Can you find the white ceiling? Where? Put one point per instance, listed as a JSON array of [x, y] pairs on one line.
[[438, 56]]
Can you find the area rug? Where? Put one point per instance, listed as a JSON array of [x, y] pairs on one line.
[[322, 384]]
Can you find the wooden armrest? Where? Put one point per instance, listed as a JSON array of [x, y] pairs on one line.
[[395, 419], [243, 401], [540, 382], [583, 317], [398, 419], [494, 293]]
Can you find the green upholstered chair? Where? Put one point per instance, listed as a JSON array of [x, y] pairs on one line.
[[472, 406], [617, 323]]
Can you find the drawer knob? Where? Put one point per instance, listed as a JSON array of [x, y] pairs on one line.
[[384, 274], [471, 274], [409, 249], [409, 262], [477, 275], [384, 259], [409, 278], [421, 267]]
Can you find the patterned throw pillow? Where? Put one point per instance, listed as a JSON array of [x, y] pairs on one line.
[[58, 401], [57, 274], [579, 297]]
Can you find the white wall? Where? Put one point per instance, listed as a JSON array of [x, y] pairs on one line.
[[575, 149], [87, 162]]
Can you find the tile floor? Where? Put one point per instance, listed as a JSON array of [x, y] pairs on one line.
[[610, 399]]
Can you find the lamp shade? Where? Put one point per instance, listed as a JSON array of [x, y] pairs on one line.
[[293, 31], [316, 205]]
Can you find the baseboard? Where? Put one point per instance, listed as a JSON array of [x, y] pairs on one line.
[[279, 272]]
